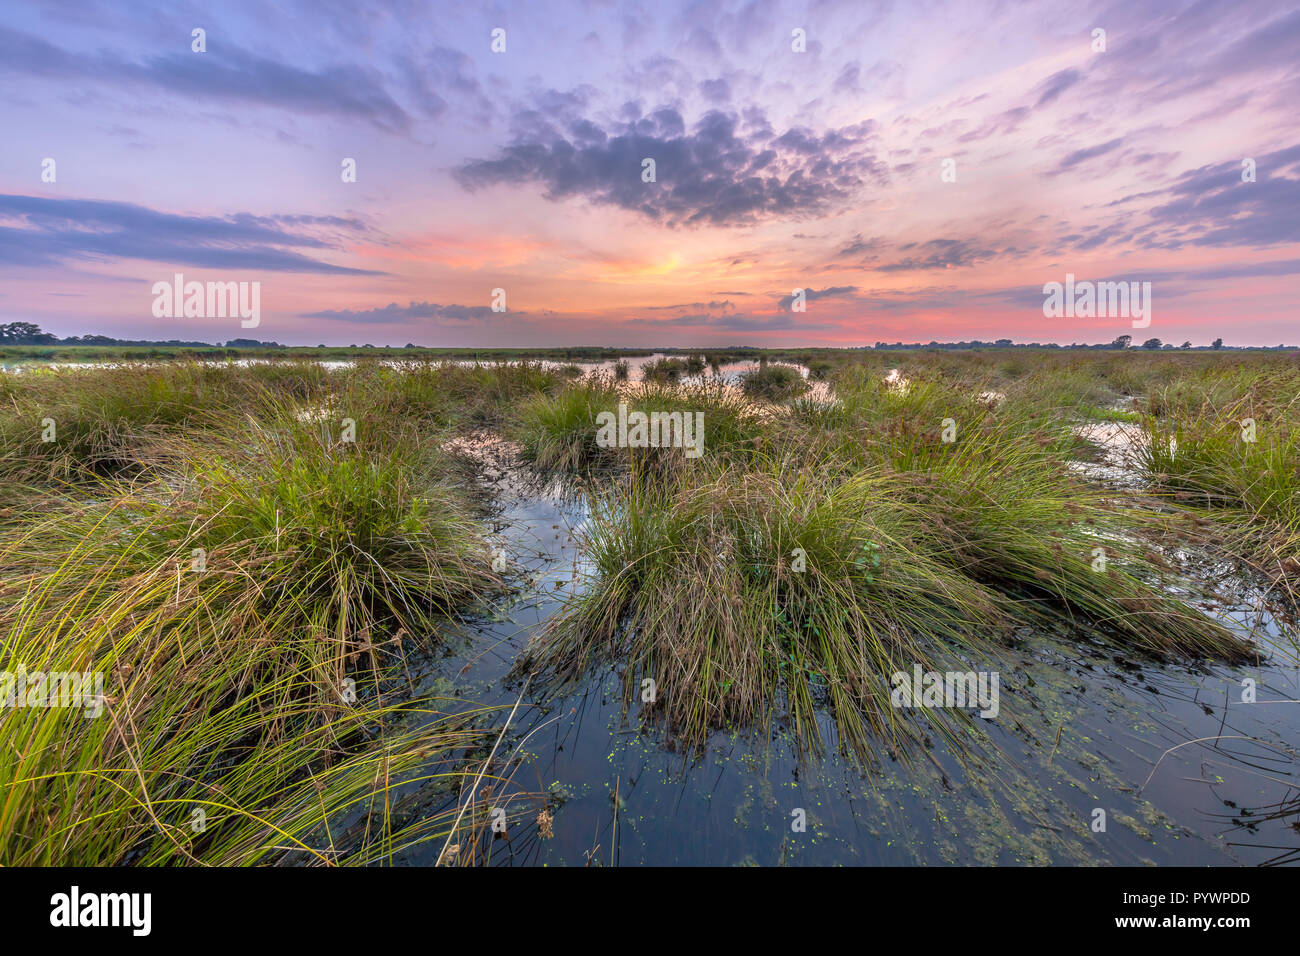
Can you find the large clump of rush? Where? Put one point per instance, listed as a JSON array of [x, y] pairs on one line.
[[250, 616]]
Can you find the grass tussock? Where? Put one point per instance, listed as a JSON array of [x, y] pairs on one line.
[[61, 425], [929, 525], [1228, 444], [252, 597], [773, 383], [559, 430]]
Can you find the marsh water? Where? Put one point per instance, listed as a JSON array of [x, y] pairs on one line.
[[1183, 769], [727, 372], [1097, 757]]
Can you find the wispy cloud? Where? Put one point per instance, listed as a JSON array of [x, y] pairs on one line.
[[394, 314], [50, 231], [224, 73]]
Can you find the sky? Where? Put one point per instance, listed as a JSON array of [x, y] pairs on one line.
[[919, 170]]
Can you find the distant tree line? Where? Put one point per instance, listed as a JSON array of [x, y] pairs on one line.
[[29, 333], [1120, 342]]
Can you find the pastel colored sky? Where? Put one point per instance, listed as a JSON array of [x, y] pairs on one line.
[[775, 169]]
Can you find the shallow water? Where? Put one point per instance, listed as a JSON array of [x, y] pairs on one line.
[[728, 371], [1120, 447], [1081, 727]]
